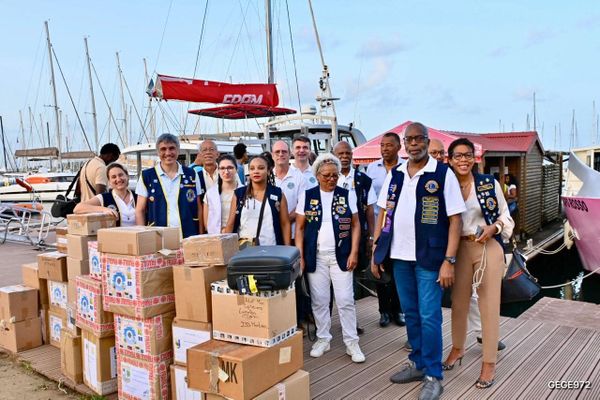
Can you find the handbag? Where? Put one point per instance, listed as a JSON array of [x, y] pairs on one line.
[[518, 284], [62, 205], [385, 276]]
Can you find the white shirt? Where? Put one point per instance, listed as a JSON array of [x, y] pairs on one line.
[[211, 179], [219, 206], [377, 172], [326, 238], [170, 189], [403, 240], [347, 182], [473, 217], [292, 186], [309, 179], [126, 210], [249, 222]]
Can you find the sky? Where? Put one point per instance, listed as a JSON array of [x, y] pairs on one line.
[[468, 66]]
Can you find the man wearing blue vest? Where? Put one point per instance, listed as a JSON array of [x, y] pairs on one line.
[[419, 230], [170, 194]]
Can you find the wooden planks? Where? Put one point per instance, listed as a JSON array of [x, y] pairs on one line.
[[576, 314]]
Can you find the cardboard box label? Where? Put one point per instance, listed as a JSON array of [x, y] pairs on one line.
[[184, 338], [90, 361], [181, 390], [94, 257], [121, 281], [135, 381], [131, 335], [56, 325], [58, 294]]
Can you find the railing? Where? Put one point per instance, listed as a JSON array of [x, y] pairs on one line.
[[27, 225]]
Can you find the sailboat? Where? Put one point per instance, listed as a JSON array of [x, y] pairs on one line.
[[583, 211]]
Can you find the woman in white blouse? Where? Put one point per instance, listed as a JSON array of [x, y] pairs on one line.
[[480, 258], [217, 202], [119, 201]]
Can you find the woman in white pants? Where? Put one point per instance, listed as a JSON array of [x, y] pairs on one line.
[[328, 235]]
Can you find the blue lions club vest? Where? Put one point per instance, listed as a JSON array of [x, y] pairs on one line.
[[362, 185], [431, 220], [187, 201], [485, 189], [274, 196], [109, 202], [342, 226]]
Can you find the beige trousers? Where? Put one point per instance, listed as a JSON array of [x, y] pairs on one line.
[[468, 261]]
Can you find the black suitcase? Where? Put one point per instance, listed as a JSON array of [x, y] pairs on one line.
[[263, 268]]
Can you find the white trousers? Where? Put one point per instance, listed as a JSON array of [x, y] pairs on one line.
[[329, 273], [474, 316]]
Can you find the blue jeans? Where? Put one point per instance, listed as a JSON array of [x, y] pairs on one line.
[[421, 298]]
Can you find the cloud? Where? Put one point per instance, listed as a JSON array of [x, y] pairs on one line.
[[498, 52], [443, 99], [377, 47], [590, 22], [535, 37]]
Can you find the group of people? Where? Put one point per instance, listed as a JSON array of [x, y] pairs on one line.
[[429, 225]]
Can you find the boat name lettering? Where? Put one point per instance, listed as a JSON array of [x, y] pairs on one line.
[[242, 99], [576, 204]]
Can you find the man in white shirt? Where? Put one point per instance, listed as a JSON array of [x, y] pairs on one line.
[[301, 149], [387, 295], [209, 152], [421, 240]]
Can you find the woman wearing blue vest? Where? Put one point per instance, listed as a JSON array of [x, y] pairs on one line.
[[259, 210], [479, 261], [328, 235], [119, 201], [217, 202]]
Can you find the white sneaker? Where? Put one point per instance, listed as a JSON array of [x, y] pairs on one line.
[[319, 348], [353, 350]]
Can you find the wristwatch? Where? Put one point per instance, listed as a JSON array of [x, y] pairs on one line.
[[451, 260], [498, 228]]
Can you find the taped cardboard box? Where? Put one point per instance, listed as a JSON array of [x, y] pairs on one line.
[[45, 325], [294, 387], [143, 380], [138, 240], [58, 294], [242, 372], [71, 361], [31, 278], [61, 239], [89, 224], [22, 335], [261, 319], [76, 267], [139, 286], [77, 246], [53, 266], [56, 323], [179, 388], [95, 264], [71, 320], [91, 314], [18, 303], [99, 363], [188, 334], [206, 250], [145, 338], [193, 292]]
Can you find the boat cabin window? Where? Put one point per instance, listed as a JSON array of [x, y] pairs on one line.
[[346, 137]]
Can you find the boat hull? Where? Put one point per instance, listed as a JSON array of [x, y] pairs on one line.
[[583, 214]]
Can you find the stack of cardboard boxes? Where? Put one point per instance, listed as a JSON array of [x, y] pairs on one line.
[[137, 278], [20, 324]]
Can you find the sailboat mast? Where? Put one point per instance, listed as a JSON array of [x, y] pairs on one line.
[[123, 105], [23, 136], [269, 28], [94, 115], [55, 106], [152, 127], [3, 144]]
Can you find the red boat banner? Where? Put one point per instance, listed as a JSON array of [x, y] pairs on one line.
[[202, 91]]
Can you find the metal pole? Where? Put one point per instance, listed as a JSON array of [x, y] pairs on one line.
[[58, 138], [269, 29], [89, 62], [123, 105], [3, 144], [23, 137]]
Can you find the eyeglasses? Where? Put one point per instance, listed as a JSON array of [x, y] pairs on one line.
[[330, 176], [417, 139], [207, 150], [460, 156], [226, 169], [436, 153]]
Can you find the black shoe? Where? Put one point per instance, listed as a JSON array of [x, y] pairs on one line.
[[399, 319], [359, 330], [384, 320], [501, 346]]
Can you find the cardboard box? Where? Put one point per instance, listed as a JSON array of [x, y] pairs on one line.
[[145, 338], [179, 388], [188, 334], [242, 372], [76, 267], [138, 240], [139, 286], [53, 266], [61, 239], [89, 224], [45, 325], [18, 303], [207, 250], [22, 335], [294, 387], [139, 379], [95, 264], [58, 294], [56, 323], [71, 320], [261, 319], [192, 288], [77, 246], [71, 362], [91, 315], [32, 279], [99, 363]]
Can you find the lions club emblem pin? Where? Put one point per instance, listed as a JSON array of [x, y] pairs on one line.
[[432, 186]]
